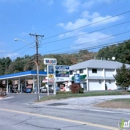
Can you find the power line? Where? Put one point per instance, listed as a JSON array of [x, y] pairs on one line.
[[72, 30], [104, 5], [20, 48], [95, 47], [92, 41], [89, 32], [89, 24], [77, 28]]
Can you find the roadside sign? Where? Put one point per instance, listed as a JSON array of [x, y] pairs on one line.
[[62, 71], [77, 78], [50, 61], [50, 76]]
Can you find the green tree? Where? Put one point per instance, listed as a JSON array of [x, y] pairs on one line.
[[123, 77]]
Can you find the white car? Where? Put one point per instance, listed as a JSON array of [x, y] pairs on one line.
[[43, 89]]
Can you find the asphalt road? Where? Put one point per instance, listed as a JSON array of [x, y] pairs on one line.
[[21, 113]]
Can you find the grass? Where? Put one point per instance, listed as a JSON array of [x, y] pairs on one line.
[[116, 103], [87, 94], [124, 100]]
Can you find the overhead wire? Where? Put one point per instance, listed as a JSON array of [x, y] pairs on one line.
[[99, 6], [89, 32], [95, 47], [79, 28], [89, 24], [92, 41]]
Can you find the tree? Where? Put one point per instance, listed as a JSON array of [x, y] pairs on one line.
[[123, 77]]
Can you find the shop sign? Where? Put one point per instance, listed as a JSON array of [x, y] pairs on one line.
[[50, 61], [61, 71]]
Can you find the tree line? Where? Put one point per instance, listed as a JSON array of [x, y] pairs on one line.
[[120, 51]]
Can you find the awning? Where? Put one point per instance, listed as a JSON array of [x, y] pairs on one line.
[[82, 77]]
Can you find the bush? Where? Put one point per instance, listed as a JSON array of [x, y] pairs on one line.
[[81, 90], [75, 88]]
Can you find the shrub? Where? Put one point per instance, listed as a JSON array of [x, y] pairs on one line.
[[75, 88], [81, 90]]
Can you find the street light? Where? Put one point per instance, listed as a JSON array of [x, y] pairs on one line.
[[17, 39], [38, 97]]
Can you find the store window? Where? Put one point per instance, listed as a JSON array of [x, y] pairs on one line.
[[94, 70], [81, 71], [71, 72]]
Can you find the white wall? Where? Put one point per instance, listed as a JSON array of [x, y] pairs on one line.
[[99, 72], [110, 72], [111, 85], [95, 85]]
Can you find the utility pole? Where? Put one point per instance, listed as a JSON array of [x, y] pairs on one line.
[[37, 45]]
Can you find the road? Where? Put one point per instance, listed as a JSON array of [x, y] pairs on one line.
[[20, 112]]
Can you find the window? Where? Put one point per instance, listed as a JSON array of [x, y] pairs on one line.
[[109, 81], [71, 72], [81, 71], [94, 70]]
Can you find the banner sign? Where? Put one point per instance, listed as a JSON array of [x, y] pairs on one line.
[[50, 61], [61, 71], [77, 78]]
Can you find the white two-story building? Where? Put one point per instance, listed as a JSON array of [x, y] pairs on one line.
[[96, 74]]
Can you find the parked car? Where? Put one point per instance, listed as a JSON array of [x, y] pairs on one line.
[[28, 90], [43, 89]]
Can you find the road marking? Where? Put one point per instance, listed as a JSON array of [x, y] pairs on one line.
[[61, 119]]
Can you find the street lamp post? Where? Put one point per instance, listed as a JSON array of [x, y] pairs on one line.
[[38, 96]]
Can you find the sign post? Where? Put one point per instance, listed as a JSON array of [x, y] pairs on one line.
[[51, 63]]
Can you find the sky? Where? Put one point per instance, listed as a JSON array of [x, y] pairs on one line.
[[67, 25]]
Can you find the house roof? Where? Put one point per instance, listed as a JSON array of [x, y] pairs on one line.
[[106, 64], [22, 74]]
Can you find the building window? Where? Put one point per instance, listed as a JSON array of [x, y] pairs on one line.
[[109, 81], [99, 81], [94, 70], [81, 71], [71, 72]]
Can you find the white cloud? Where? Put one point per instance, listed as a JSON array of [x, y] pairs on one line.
[[89, 40], [71, 5], [75, 5], [88, 19], [108, 20], [78, 23], [12, 55]]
